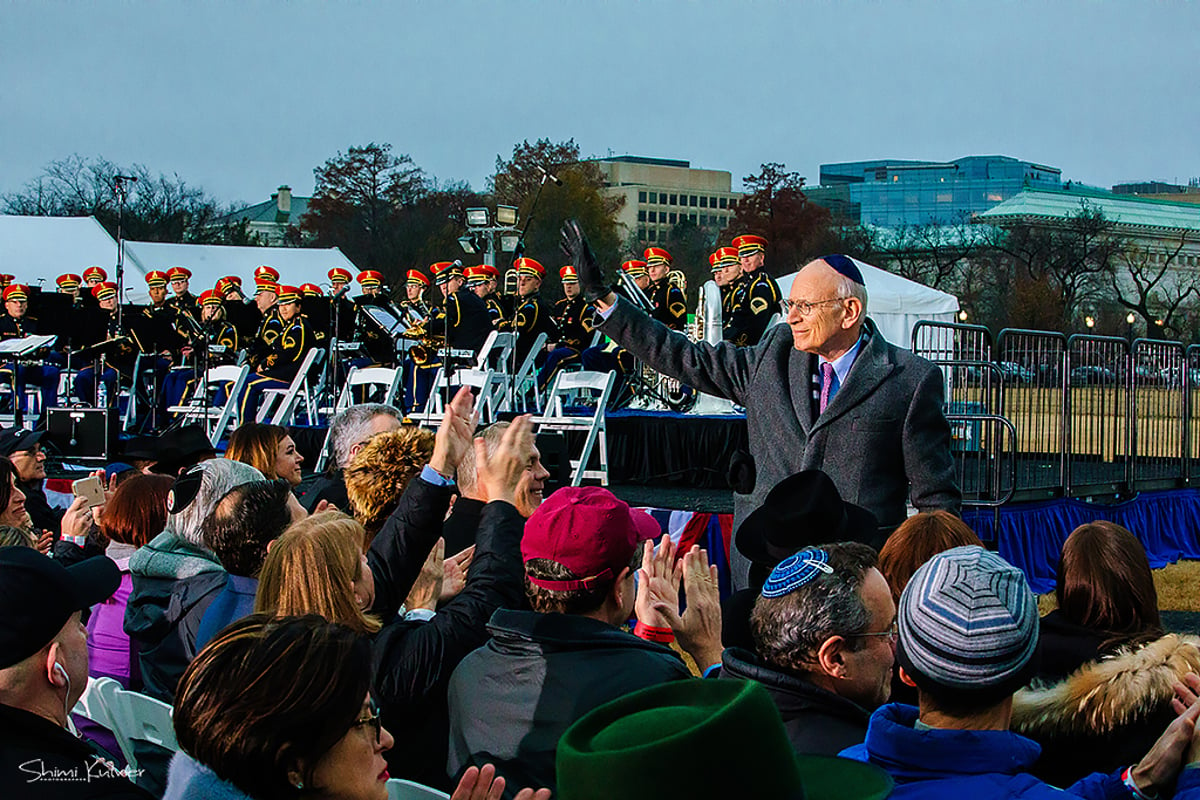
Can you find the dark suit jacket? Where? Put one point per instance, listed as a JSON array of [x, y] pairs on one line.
[[884, 432]]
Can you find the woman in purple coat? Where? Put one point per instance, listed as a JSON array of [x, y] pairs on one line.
[[136, 513]]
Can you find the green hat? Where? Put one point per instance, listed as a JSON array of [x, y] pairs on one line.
[[700, 739]]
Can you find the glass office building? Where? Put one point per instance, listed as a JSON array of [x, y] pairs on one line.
[[893, 193]]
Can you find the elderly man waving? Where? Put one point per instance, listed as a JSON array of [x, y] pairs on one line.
[[825, 392]]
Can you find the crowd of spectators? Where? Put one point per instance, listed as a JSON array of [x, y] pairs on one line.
[[426, 610]]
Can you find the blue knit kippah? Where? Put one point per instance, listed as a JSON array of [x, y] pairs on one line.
[[844, 265], [795, 571]]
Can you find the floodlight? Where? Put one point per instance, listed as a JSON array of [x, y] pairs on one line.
[[509, 243], [468, 245], [477, 217], [506, 215]]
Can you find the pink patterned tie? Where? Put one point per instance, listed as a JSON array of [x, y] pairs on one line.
[[826, 385]]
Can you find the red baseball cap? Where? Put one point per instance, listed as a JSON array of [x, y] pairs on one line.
[[587, 530]]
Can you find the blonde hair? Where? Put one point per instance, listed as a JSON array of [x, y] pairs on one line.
[[378, 474], [311, 569]]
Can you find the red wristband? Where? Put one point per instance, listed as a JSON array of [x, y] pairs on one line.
[[653, 634]]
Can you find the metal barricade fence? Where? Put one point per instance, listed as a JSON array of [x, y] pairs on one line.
[[1098, 415], [1034, 400], [1159, 427], [1191, 389]]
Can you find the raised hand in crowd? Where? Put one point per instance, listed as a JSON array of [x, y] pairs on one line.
[[698, 628], [428, 587], [657, 583], [482, 784], [1155, 774], [454, 434], [77, 520], [499, 475], [577, 251], [324, 505], [454, 573]]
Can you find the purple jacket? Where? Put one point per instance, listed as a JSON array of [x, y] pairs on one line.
[[108, 644]]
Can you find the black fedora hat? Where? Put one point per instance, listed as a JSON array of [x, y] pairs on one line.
[[181, 448], [803, 510]]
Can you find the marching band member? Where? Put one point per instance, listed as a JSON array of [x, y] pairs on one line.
[[761, 291], [69, 284], [670, 307], [218, 331], [94, 275], [283, 355], [533, 316], [371, 282], [6, 279], [339, 278], [415, 284], [483, 280], [380, 347], [184, 301], [119, 359], [573, 315], [463, 319], [266, 300], [727, 274], [15, 324]]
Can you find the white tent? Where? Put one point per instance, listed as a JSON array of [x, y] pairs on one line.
[[42, 248], [210, 262], [896, 303], [33, 248]]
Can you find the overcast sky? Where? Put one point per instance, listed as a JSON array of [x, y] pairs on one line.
[[240, 97]]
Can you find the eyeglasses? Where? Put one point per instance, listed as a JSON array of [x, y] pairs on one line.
[[372, 718], [804, 308], [893, 632]]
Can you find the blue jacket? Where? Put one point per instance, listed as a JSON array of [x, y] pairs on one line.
[[980, 765], [232, 603]]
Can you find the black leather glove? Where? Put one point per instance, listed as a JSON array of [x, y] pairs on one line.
[[579, 254]]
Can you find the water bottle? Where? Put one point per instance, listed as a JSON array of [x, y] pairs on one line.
[[102, 392]]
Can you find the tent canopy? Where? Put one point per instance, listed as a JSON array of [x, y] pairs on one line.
[[33, 248], [42, 248], [896, 304], [210, 262]]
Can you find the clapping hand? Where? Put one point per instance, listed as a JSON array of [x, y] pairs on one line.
[[427, 588], [454, 574], [498, 475], [698, 629], [658, 583], [482, 784], [453, 438]]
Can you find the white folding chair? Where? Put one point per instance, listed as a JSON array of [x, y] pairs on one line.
[[129, 715], [379, 379], [495, 351], [282, 402], [216, 418], [400, 789], [572, 387], [523, 383], [483, 381]]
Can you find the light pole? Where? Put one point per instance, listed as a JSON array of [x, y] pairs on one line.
[[1129, 319], [482, 232]]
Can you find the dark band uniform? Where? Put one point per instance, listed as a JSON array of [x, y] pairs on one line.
[[533, 314], [44, 374], [282, 359], [574, 319], [761, 297]]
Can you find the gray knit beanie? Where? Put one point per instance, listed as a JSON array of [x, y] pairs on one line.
[[968, 627]]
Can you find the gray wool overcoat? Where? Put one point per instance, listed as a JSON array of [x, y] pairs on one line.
[[884, 431]]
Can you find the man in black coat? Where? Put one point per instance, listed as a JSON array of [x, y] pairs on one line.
[[824, 632], [43, 672], [415, 655]]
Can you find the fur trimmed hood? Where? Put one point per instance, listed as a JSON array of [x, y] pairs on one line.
[[1102, 696], [379, 473]]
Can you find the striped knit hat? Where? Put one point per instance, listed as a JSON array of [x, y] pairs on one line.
[[968, 627]]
